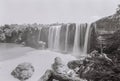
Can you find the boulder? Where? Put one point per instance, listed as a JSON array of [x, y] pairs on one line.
[[50, 75], [74, 64], [23, 71]]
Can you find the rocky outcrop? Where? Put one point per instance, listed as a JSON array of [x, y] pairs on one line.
[[113, 43], [98, 67], [23, 71], [50, 75], [44, 33], [106, 28], [108, 24]]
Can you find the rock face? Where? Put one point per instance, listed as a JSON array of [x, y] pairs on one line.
[[71, 35], [50, 75], [60, 72], [23, 71], [109, 24], [98, 67], [113, 43], [44, 35], [106, 28]]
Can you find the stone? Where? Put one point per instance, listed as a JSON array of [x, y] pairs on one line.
[[23, 71], [50, 75]]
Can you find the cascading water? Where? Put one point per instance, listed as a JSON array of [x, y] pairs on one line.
[[76, 47], [81, 38], [66, 38], [51, 38], [86, 39], [57, 38], [54, 38], [39, 34]]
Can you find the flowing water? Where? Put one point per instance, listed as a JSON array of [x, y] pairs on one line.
[[54, 38], [81, 38], [11, 51], [66, 38], [39, 34], [76, 47], [81, 35], [86, 39]]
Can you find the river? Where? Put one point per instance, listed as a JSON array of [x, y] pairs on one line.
[[11, 51]]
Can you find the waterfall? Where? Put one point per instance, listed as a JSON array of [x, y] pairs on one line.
[[57, 38], [66, 38], [81, 39], [54, 38], [86, 38], [76, 47], [51, 38], [39, 34]]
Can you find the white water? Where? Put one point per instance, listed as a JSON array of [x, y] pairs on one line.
[[54, 38], [76, 47], [40, 59], [81, 39], [86, 39], [50, 38], [66, 38]]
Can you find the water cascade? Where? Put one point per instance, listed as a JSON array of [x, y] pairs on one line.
[[39, 34], [66, 38], [80, 38], [76, 47], [86, 39], [54, 38]]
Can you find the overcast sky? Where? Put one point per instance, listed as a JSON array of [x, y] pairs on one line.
[[50, 11]]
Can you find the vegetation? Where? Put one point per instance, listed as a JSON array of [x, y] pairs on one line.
[[21, 34], [118, 9]]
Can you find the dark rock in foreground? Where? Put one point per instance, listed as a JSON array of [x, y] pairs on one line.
[[52, 76]]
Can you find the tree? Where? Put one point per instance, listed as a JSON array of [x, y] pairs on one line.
[[118, 9]]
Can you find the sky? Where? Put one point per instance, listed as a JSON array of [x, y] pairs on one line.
[[52, 11]]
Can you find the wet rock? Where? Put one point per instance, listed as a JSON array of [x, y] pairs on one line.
[[50, 75], [23, 71], [106, 27], [74, 64], [44, 35]]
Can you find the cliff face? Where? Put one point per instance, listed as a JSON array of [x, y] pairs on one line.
[[106, 30], [108, 24]]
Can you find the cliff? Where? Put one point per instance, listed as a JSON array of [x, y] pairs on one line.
[[107, 28]]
